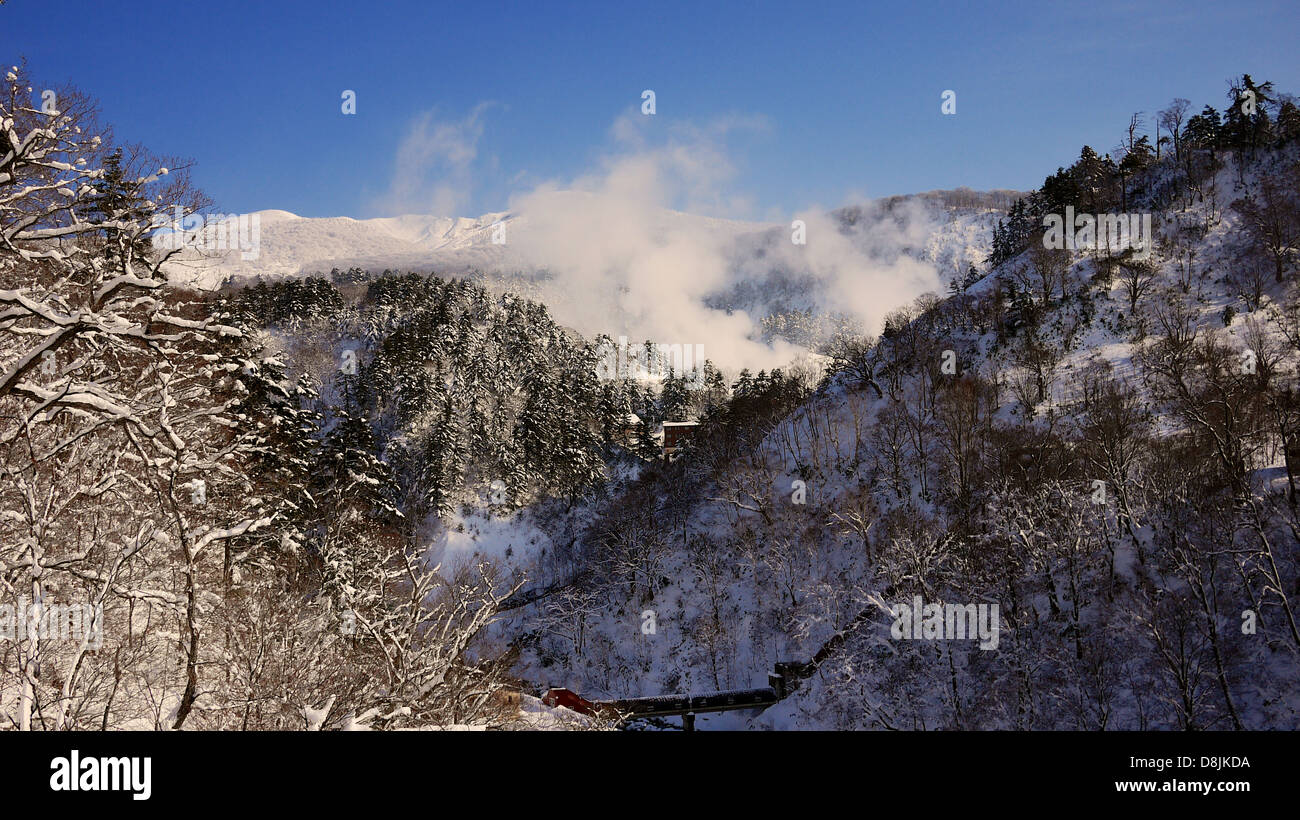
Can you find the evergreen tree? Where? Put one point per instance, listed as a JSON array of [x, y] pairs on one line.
[[1242, 129], [354, 488], [1204, 130], [275, 417], [675, 398], [1091, 175], [645, 445], [117, 198], [1288, 121]]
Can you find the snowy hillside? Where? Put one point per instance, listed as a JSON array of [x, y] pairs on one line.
[[1108, 425]]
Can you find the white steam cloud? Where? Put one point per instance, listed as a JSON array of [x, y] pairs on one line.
[[432, 170], [626, 260]]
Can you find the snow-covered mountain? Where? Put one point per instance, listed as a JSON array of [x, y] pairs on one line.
[[286, 244], [752, 293]]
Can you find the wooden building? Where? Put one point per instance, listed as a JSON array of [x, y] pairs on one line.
[[677, 434]]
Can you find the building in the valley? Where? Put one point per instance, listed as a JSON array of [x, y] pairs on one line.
[[559, 696], [677, 434]]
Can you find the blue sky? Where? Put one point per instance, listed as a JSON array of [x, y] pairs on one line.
[[800, 104]]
